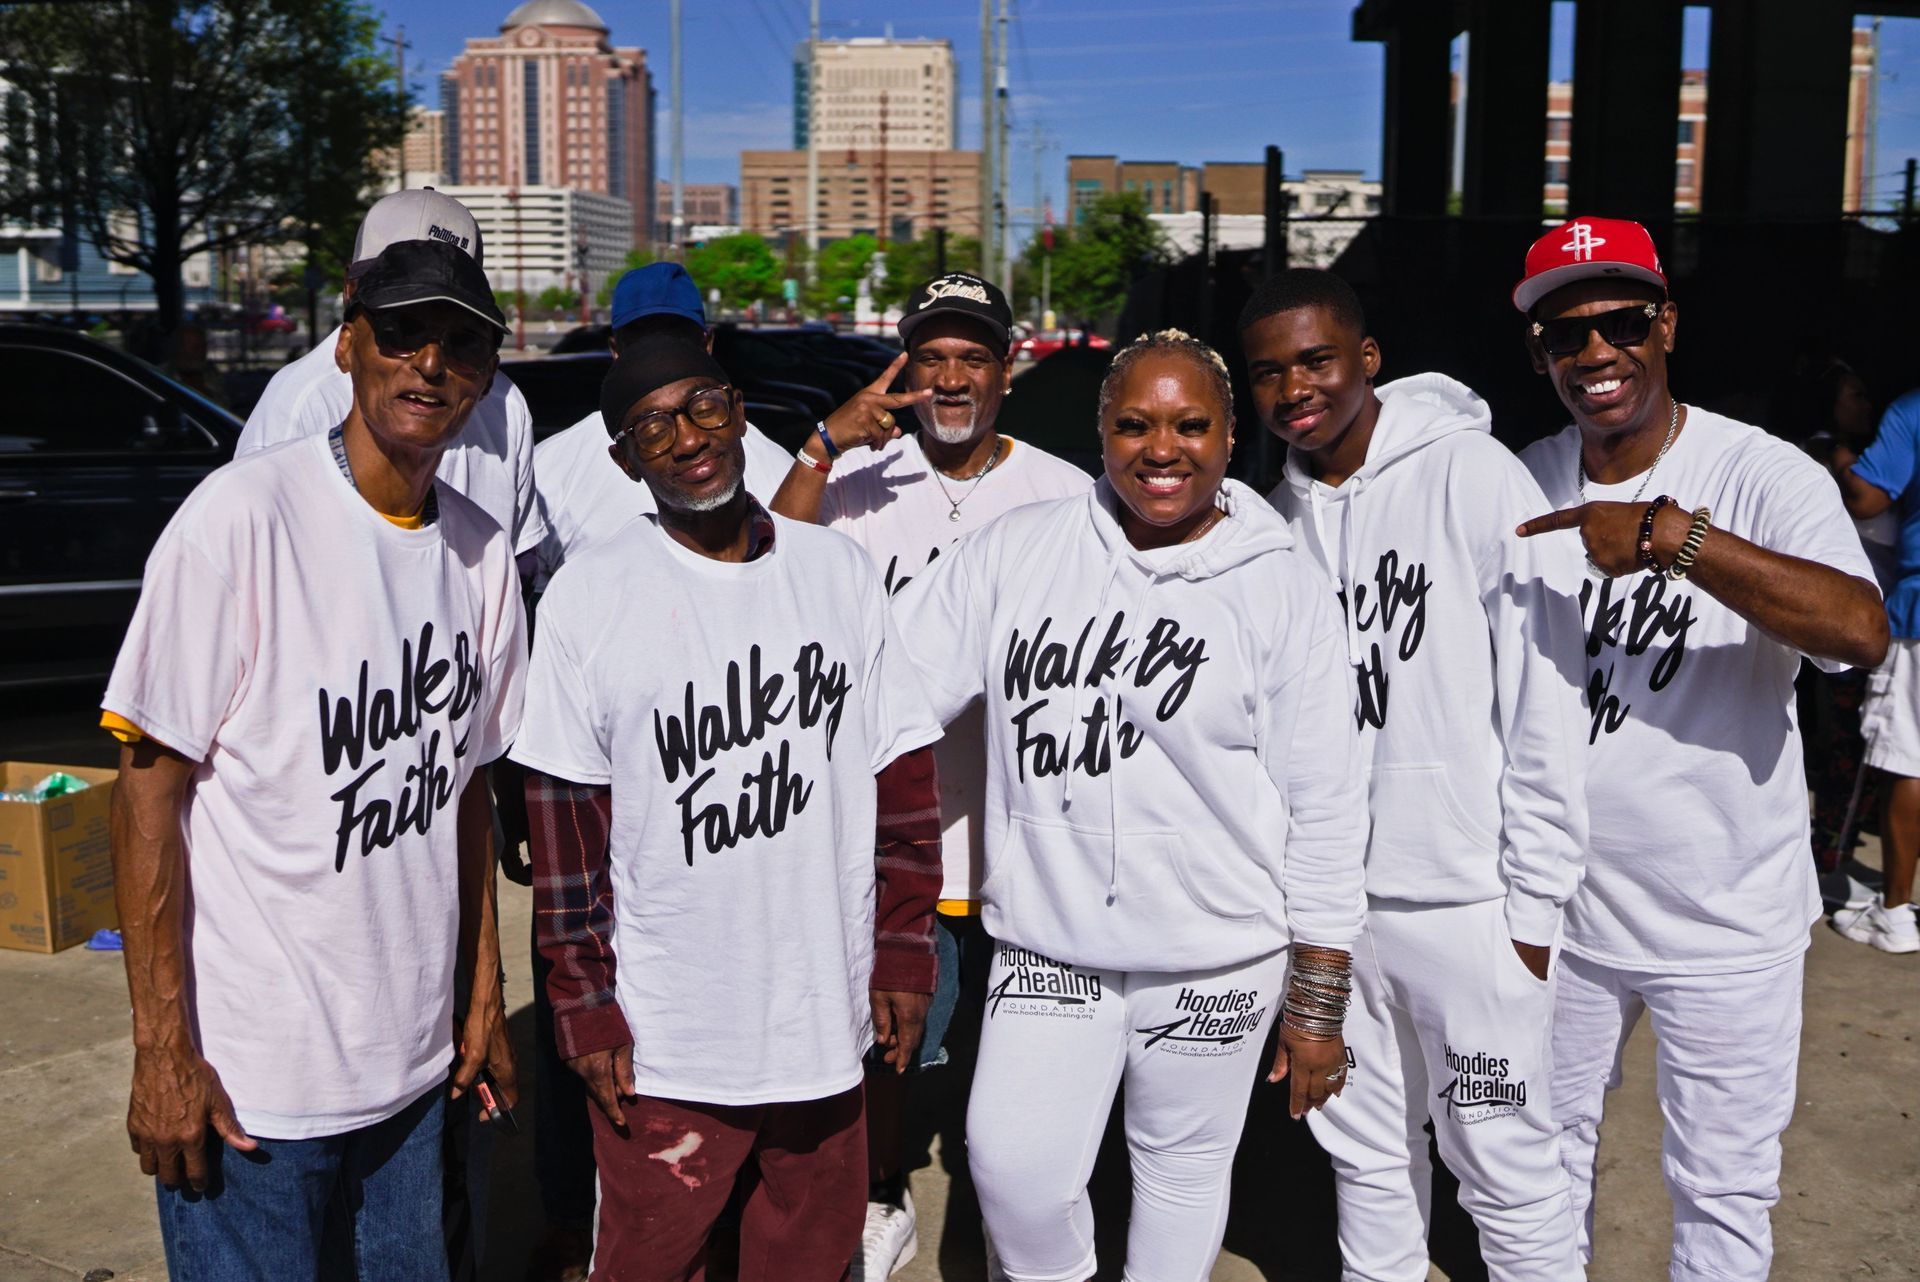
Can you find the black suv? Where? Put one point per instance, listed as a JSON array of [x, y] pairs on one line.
[[97, 451]]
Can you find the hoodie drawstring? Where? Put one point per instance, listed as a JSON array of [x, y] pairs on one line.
[[1341, 587]]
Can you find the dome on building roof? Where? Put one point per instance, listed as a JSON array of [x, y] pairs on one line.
[[553, 13]]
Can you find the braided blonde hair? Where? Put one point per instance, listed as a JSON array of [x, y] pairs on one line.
[[1172, 342]]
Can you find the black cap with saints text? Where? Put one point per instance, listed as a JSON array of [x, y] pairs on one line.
[[962, 293]]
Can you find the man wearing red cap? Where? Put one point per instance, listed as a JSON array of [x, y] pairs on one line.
[[1718, 556]]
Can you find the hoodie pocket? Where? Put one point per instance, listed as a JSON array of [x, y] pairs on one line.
[[1425, 839], [1052, 880]]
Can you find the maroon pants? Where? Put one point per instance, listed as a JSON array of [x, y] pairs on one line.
[[665, 1181]]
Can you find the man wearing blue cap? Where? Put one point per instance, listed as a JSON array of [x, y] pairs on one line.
[[582, 495]]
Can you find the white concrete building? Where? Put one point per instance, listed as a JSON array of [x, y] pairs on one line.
[[547, 234], [906, 85], [1325, 210]]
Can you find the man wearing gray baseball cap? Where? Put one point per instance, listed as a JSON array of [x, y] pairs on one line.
[[492, 461]]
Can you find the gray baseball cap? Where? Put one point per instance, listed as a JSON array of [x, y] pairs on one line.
[[418, 214]]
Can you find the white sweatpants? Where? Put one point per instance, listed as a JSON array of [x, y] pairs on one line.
[[1726, 1055], [1447, 1023], [1055, 1044]]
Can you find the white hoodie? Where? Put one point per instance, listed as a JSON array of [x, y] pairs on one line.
[[1228, 816], [1468, 648]]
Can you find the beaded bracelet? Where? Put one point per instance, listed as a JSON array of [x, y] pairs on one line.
[[1646, 531], [1696, 535]]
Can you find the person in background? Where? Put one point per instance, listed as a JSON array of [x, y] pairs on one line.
[[300, 895], [1829, 409], [1878, 484], [736, 845], [907, 501], [1719, 556]]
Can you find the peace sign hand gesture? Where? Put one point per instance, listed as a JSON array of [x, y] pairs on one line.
[[868, 418]]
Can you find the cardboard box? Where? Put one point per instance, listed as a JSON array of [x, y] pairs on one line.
[[56, 872]]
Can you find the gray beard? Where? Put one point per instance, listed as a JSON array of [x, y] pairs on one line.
[[950, 435], [668, 497]]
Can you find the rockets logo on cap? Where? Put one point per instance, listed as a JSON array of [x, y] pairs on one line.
[[1584, 248]]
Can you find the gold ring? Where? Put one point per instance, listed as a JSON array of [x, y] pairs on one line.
[[886, 418]]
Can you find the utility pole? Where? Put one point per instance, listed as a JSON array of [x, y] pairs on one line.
[[989, 267], [1274, 257], [679, 136], [1906, 201], [1868, 172], [1003, 251], [886, 192], [400, 46], [813, 137]]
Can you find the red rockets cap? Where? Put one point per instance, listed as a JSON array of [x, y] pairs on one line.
[[1584, 248]]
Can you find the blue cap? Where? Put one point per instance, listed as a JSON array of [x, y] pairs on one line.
[[658, 289]]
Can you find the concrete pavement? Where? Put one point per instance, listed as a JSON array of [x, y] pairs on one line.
[[72, 1200]]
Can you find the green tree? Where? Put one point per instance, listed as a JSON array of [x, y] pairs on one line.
[[557, 298], [837, 273], [743, 268], [909, 262], [1114, 246], [635, 258], [165, 128]]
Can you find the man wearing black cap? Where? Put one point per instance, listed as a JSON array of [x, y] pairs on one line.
[[735, 844], [491, 461], [299, 893], [583, 496], [1718, 557], [905, 502]]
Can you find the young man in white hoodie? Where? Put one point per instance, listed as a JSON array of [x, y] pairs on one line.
[[1700, 884], [1464, 641], [1173, 798]]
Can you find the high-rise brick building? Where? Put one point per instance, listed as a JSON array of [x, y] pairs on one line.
[[551, 102]]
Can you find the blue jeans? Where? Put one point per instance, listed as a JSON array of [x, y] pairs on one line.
[[263, 1212]]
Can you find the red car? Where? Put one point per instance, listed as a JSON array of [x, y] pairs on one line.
[[273, 322], [1048, 341]]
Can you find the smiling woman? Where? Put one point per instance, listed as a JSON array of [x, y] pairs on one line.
[[1166, 431]]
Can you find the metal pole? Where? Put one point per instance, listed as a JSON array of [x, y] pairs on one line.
[[886, 193], [1003, 235], [813, 136], [406, 110], [679, 132], [1906, 201], [989, 268], [1274, 256]]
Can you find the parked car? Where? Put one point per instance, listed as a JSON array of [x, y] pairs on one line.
[[97, 452], [1046, 342]]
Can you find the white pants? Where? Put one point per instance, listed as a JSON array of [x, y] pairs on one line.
[[1055, 1044], [1447, 1023], [1727, 1050]]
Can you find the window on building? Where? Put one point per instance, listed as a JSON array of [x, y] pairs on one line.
[[1683, 175], [1686, 133], [1559, 128], [1556, 172]]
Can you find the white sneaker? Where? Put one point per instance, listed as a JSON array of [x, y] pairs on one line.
[[1891, 930], [891, 1240]]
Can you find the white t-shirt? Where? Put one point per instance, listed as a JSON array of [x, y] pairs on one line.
[[339, 679], [739, 712], [1696, 795], [584, 496], [892, 503], [491, 463]]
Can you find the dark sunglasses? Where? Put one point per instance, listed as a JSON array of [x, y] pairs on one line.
[[1622, 327], [709, 409], [399, 332]]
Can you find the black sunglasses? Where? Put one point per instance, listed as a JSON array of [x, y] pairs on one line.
[[709, 409], [1622, 327], [399, 332]]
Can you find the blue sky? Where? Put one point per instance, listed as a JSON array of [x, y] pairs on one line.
[[1145, 79]]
